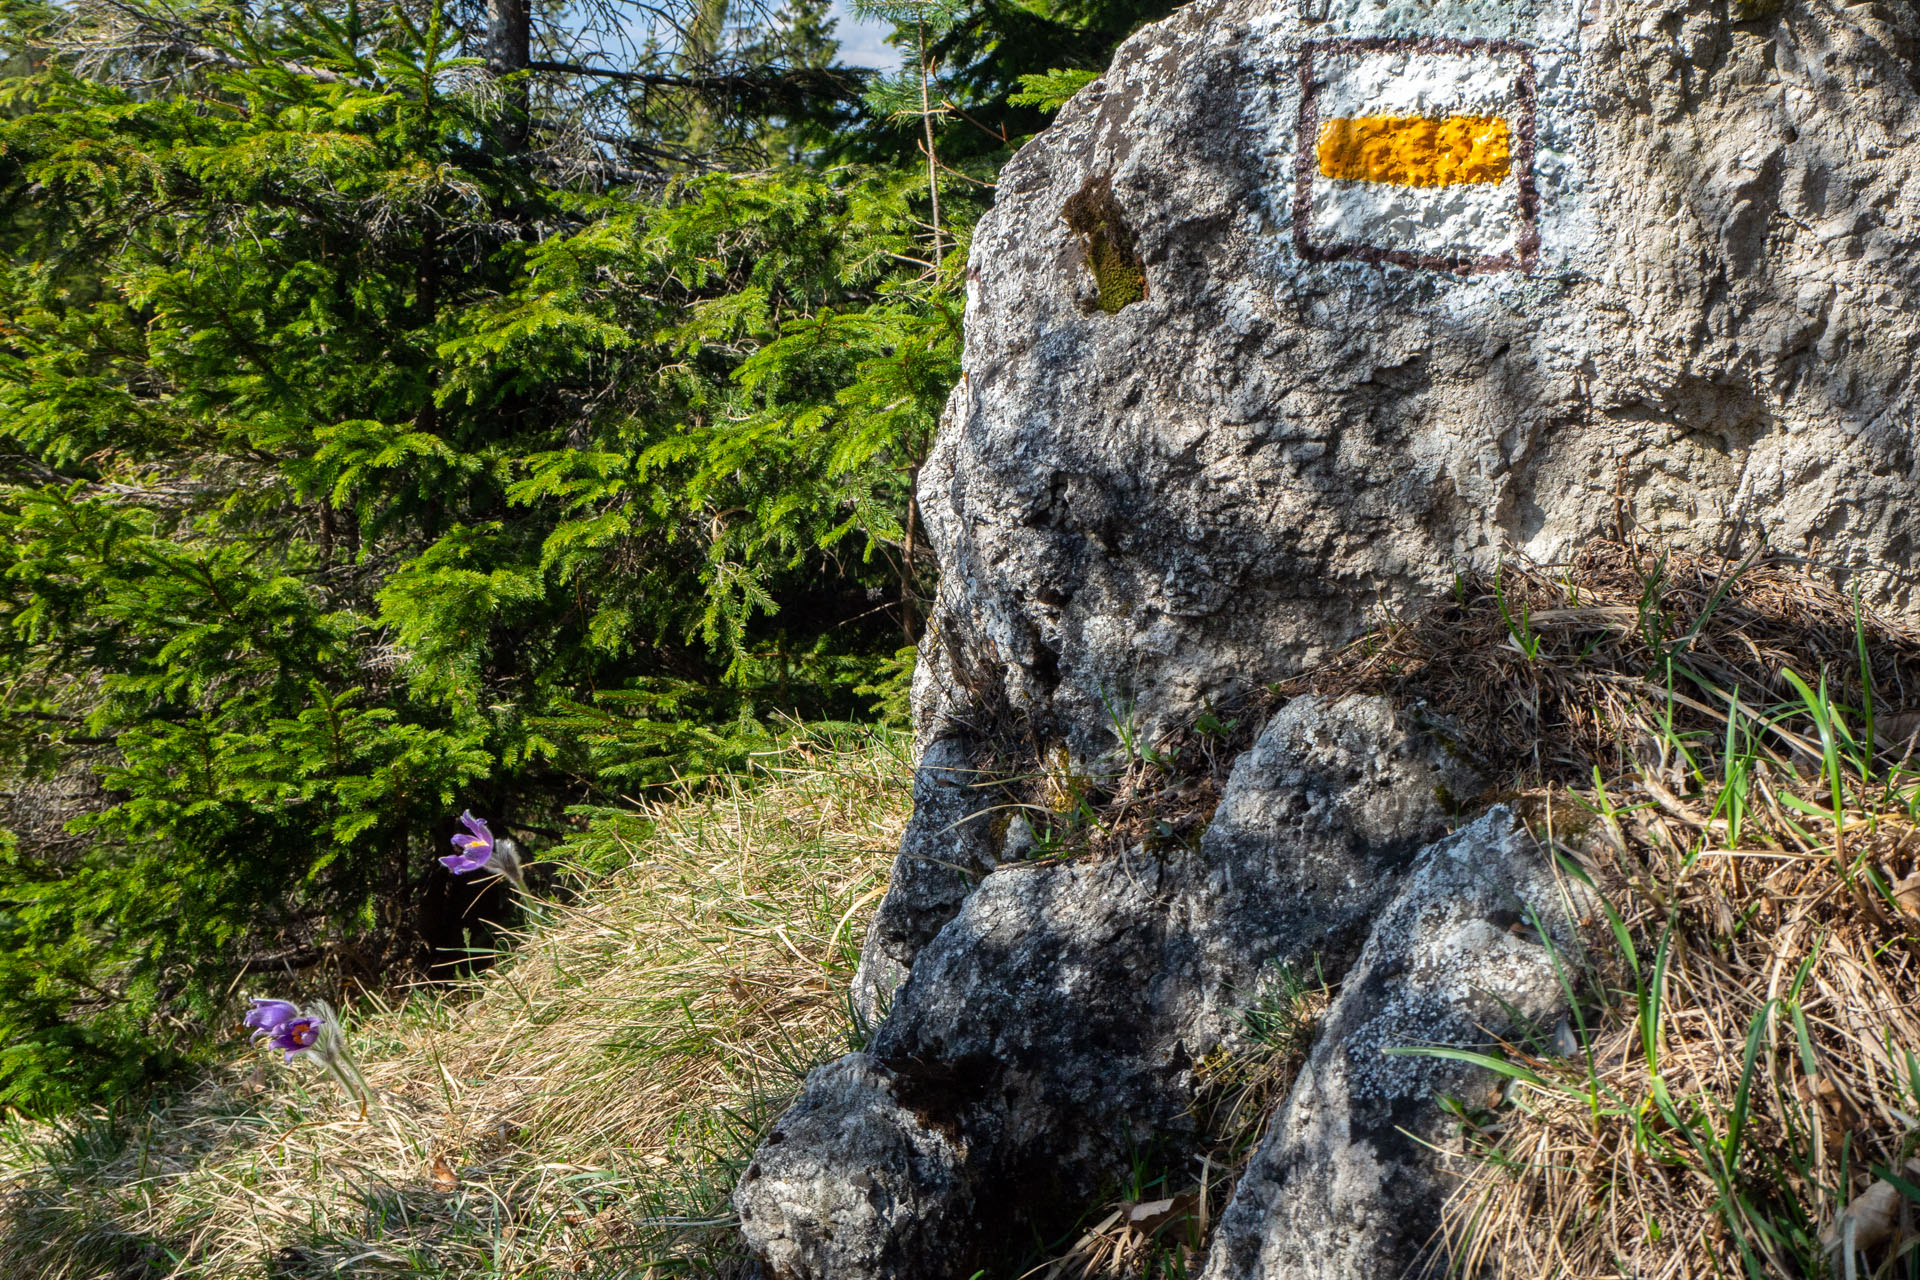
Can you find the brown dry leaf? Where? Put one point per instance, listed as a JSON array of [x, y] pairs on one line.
[[1907, 893], [1872, 1216], [1150, 1215], [1823, 1091], [1898, 729], [256, 1081], [444, 1178], [1814, 1089]]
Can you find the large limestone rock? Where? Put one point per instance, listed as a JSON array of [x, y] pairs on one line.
[[1688, 305], [1302, 306]]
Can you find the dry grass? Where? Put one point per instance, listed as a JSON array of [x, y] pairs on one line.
[[1545, 672], [1750, 1070], [576, 1110], [1726, 751]]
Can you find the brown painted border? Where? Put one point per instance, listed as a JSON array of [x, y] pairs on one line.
[[1525, 255]]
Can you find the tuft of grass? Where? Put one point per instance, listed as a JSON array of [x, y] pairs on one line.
[[1724, 752], [580, 1108], [1746, 1074], [1545, 672]]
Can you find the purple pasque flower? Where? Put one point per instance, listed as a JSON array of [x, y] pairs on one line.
[[287, 1028], [479, 851], [298, 1035], [268, 1015], [315, 1034], [475, 845]]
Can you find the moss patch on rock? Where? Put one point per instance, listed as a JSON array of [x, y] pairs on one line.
[[1095, 216]]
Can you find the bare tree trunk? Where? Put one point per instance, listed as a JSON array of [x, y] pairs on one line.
[[509, 50], [926, 122], [706, 35]]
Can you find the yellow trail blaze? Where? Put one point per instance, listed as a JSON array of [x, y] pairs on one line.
[[1415, 151]]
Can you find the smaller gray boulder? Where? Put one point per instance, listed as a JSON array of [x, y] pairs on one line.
[[844, 1183], [1052, 1025], [1350, 1180]]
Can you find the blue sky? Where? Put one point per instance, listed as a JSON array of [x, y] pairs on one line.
[[862, 43]]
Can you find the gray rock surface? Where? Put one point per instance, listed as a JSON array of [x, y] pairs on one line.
[[1349, 1182], [856, 1180], [1300, 307], [1689, 305], [1058, 1016], [950, 842]]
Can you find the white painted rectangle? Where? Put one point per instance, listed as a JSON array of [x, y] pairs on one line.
[[1477, 226]]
